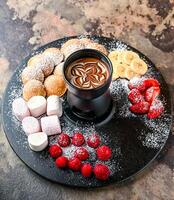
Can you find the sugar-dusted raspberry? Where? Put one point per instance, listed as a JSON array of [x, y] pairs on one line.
[[81, 153], [93, 141], [78, 139], [103, 153], [61, 162], [63, 140], [74, 164], [55, 151], [86, 170], [101, 172]]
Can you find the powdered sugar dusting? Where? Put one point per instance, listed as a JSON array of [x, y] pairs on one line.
[[156, 135], [118, 45], [119, 91], [118, 87]]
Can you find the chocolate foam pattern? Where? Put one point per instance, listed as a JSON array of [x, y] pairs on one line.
[[88, 75]]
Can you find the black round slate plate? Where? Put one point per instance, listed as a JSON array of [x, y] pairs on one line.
[[135, 140]]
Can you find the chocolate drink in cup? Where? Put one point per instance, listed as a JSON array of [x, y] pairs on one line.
[[88, 74]]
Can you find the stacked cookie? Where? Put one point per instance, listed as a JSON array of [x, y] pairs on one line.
[[38, 77]]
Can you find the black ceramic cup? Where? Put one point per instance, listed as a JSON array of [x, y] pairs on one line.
[[89, 104]]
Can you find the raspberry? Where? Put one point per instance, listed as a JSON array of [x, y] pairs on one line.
[[86, 170], [156, 109], [135, 96], [101, 172], [63, 140], [82, 153], [74, 164], [151, 93], [61, 162], [140, 108], [78, 139], [93, 141], [55, 151], [103, 153]]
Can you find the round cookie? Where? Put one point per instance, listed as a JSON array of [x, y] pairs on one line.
[[71, 46], [98, 47], [58, 70], [30, 73], [55, 85], [33, 88], [53, 54], [42, 62]]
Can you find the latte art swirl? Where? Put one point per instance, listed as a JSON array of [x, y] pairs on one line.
[[88, 74]]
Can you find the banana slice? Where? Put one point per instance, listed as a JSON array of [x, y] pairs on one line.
[[115, 74], [113, 55], [129, 74], [121, 56], [138, 66], [121, 68], [129, 56]]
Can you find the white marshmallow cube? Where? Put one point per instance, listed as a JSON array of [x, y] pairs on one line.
[[54, 106], [38, 141], [30, 125], [20, 108], [37, 105], [50, 125]]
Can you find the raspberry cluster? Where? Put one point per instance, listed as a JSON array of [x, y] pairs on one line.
[[78, 161]]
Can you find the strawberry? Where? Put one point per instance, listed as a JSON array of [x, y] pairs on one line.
[[151, 93], [156, 109], [55, 151], [74, 164], [93, 141], [103, 153], [81, 153], [101, 172], [86, 170], [142, 85], [151, 82], [140, 108], [63, 140], [135, 96], [61, 162], [78, 139]]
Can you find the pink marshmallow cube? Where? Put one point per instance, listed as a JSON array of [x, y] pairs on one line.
[[30, 125], [54, 106], [37, 105], [20, 108], [50, 125]]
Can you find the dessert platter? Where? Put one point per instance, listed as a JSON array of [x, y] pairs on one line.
[[87, 111]]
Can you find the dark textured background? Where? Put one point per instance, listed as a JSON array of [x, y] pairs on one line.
[[148, 25]]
